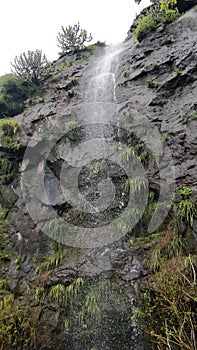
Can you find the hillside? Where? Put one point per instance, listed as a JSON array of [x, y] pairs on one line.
[[98, 199]]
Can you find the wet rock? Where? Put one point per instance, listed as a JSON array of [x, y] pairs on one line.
[[167, 56], [173, 66], [184, 5]]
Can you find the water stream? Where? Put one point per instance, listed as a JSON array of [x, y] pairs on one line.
[[102, 83], [116, 331]]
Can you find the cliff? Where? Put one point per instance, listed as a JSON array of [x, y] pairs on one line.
[[69, 288]]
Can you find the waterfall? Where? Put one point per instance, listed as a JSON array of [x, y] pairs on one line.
[[102, 82], [105, 200]]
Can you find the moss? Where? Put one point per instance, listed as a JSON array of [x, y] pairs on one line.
[[153, 84], [189, 118]]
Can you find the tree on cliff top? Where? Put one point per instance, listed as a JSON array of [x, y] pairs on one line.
[[73, 38], [30, 66]]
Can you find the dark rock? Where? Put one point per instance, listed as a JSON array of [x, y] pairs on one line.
[[167, 56], [184, 5]]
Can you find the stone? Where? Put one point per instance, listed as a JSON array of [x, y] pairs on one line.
[[167, 56]]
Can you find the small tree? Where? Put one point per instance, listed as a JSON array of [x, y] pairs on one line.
[[30, 66], [72, 38]]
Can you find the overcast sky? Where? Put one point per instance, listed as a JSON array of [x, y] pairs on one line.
[[34, 24]]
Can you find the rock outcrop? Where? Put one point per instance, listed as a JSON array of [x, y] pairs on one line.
[[157, 78]]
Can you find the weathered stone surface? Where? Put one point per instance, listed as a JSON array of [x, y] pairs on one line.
[[168, 56], [173, 65], [184, 5]]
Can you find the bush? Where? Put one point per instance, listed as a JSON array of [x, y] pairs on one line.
[[31, 66], [161, 14], [13, 93], [16, 328], [168, 298], [73, 38], [145, 25], [187, 207], [169, 306]]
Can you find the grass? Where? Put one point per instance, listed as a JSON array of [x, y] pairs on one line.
[[157, 16]]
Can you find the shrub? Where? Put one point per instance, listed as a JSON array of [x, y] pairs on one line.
[[12, 95], [167, 302], [31, 66], [16, 327], [168, 306], [145, 25], [9, 127], [187, 209], [73, 38], [161, 14]]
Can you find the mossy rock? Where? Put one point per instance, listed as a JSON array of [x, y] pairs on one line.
[[7, 196]]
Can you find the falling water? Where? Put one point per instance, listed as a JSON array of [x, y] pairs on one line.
[[102, 82], [99, 89]]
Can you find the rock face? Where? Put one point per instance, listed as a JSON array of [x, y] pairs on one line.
[[156, 79], [184, 5], [167, 59]]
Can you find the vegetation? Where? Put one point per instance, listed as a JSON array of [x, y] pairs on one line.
[[16, 331], [187, 209], [7, 165], [80, 302], [154, 65], [138, 150], [73, 38], [9, 128], [168, 299], [153, 84], [168, 39], [145, 26], [13, 93], [136, 184], [52, 262], [190, 118], [31, 66], [125, 74], [177, 73], [161, 13], [168, 305], [5, 245]]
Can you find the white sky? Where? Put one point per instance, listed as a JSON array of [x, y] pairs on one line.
[[34, 24]]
